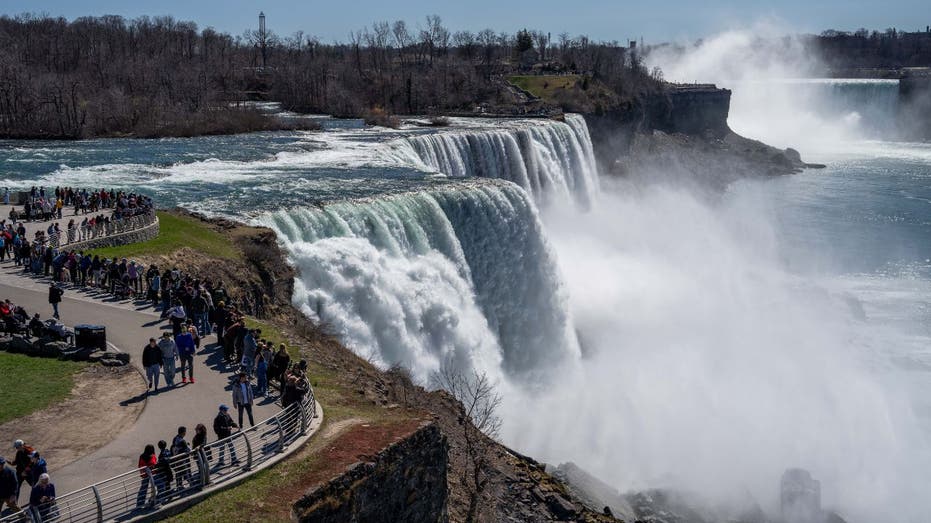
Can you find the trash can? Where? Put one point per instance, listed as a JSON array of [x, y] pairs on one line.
[[90, 337]]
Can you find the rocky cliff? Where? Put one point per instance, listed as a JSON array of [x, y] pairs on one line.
[[405, 482], [682, 131]]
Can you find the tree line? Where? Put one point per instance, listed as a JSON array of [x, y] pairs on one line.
[[157, 76]]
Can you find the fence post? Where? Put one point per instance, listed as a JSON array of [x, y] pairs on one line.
[[248, 450], [303, 418], [99, 503], [280, 433], [203, 466]]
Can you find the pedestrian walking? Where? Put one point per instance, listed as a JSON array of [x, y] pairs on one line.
[[152, 362], [186, 348], [169, 355], [55, 293]]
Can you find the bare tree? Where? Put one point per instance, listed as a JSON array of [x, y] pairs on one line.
[[480, 423]]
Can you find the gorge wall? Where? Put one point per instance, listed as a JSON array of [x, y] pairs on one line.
[[682, 131], [406, 482]]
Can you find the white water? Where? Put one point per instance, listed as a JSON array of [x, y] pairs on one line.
[[552, 161], [429, 279], [773, 101], [709, 365]]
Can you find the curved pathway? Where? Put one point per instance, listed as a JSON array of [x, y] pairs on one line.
[[129, 326]]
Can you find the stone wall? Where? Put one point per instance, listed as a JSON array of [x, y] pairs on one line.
[[406, 482], [149, 232]]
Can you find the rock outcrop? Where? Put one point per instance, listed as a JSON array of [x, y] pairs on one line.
[[683, 131], [405, 482]]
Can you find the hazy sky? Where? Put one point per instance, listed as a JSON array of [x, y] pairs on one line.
[[600, 19]]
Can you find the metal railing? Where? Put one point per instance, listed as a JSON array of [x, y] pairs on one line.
[[100, 230], [144, 491]]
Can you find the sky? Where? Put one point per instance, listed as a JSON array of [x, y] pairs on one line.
[[669, 20]]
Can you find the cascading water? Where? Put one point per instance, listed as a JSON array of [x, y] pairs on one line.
[[428, 279], [553, 161]]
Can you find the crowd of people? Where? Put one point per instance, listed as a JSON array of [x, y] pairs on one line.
[[29, 467], [106, 208], [194, 308]]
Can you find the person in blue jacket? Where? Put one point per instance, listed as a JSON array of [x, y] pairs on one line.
[[186, 348]]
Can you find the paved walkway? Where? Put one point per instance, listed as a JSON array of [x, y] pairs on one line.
[[67, 214], [129, 326]]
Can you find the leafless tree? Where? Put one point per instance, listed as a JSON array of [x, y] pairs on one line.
[[480, 424]]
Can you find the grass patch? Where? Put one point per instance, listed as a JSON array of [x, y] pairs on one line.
[[31, 384], [175, 232], [544, 86]]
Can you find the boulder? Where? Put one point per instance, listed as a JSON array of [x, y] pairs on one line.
[[96, 356], [113, 355], [77, 353], [5, 343], [51, 349], [112, 362], [561, 507], [20, 345]]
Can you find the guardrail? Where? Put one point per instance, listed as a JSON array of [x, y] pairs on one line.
[[142, 491], [100, 230]]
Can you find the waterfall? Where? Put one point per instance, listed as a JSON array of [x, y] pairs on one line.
[[459, 276], [551, 160]]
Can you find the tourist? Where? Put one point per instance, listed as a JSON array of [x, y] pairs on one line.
[[261, 375], [55, 293], [155, 283], [9, 486], [36, 327], [21, 461], [200, 437], [249, 348], [243, 397], [223, 426], [43, 498], [176, 316], [164, 474], [181, 462], [37, 467], [186, 348], [199, 309], [147, 462], [152, 362], [169, 355], [279, 366]]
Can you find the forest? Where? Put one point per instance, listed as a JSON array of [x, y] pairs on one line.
[[157, 76]]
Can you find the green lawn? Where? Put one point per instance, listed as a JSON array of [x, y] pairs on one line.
[[176, 232], [544, 86], [30, 384]]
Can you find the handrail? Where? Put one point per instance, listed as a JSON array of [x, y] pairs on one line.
[[142, 491], [81, 234]]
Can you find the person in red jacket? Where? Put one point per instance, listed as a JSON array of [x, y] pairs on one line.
[[147, 462]]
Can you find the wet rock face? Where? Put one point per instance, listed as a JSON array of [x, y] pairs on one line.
[[406, 482]]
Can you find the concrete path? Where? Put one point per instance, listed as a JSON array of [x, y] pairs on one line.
[[129, 326], [67, 214]]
